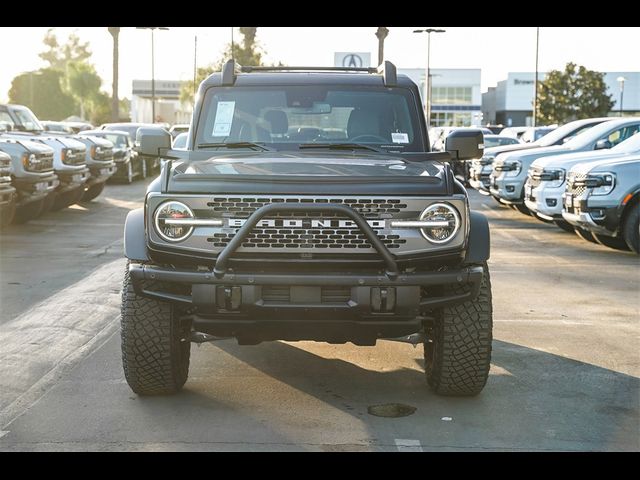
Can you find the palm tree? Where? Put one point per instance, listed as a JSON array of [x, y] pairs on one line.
[[115, 114]]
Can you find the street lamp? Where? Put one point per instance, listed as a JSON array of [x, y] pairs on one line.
[[427, 94], [621, 79], [153, 78]]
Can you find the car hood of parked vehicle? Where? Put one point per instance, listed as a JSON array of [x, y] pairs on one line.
[[495, 151], [378, 172], [532, 155], [630, 161], [29, 145], [568, 160]]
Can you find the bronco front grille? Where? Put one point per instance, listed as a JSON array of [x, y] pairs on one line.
[[245, 206], [576, 190]]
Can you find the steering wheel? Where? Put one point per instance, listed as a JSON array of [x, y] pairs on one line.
[[374, 137]]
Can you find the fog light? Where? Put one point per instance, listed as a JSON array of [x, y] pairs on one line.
[[552, 202], [510, 188]]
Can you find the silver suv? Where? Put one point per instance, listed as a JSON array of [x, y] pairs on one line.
[[604, 198]]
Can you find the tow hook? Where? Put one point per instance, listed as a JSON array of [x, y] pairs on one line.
[[414, 339]]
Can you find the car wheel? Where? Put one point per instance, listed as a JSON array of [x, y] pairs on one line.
[[66, 199], [155, 345], [616, 243], [522, 208], [93, 191], [457, 352], [585, 234], [631, 229], [29, 211], [129, 178], [564, 225], [7, 213]]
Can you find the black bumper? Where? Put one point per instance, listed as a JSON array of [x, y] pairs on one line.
[[327, 307], [70, 180], [7, 194], [100, 173], [35, 188]]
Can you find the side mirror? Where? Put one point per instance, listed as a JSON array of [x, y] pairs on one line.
[[151, 140], [465, 144], [602, 144]]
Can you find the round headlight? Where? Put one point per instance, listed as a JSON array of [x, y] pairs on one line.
[[440, 212], [171, 231]]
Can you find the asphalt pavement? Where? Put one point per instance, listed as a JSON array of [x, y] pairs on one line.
[[565, 367]]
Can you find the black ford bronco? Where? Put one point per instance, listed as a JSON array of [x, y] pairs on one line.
[[307, 206]]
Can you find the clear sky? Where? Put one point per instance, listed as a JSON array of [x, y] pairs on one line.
[[496, 50]]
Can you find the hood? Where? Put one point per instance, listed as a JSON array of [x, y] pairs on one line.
[[66, 142], [631, 162], [528, 157], [100, 142], [294, 172], [29, 145], [495, 151], [568, 160]]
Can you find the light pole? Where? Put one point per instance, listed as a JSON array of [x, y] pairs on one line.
[[535, 81], [427, 94], [621, 79], [153, 77]]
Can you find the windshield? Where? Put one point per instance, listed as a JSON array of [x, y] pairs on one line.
[[130, 129], [568, 130], [630, 145], [284, 117], [499, 141], [27, 119], [119, 141]]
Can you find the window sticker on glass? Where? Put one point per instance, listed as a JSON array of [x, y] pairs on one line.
[[397, 137], [224, 119]]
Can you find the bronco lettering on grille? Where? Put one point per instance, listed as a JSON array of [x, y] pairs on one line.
[[305, 223]]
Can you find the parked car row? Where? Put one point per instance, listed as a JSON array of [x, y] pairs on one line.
[[584, 177], [53, 167]]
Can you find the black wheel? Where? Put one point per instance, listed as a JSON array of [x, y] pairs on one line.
[[522, 208], [66, 199], [47, 205], [616, 243], [155, 346], [564, 225], [6, 214], [29, 211], [458, 351], [631, 229], [585, 234], [93, 191]]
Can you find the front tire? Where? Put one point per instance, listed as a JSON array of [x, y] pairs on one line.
[[29, 211], [631, 229], [564, 225], [457, 353], [155, 346], [93, 191], [616, 243], [585, 234]]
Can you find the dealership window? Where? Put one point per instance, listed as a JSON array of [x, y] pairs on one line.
[[451, 95], [451, 119]]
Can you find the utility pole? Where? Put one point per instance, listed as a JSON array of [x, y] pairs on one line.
[[427, 92], [381, 33], [115, 105], [535, 81], [195, 66], [153, 75]]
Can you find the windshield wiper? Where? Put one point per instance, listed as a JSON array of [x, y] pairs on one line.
[[235, 145], [340, 146]]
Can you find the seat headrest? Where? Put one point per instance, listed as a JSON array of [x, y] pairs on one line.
[[278, 120], [363, 122]]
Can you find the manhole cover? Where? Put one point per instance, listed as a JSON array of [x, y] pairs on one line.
[[392, 410]]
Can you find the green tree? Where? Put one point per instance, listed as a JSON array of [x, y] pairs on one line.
[[246, 52], [84, 84], [59, 56], [573, 94], [41, 91]]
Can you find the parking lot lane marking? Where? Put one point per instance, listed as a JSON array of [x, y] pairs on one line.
[[3, 433], [407, 445]]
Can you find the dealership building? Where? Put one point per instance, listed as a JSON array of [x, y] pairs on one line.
[[169, 109], [510, 102]]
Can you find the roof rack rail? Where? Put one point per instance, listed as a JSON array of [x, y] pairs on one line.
[[387, 69]]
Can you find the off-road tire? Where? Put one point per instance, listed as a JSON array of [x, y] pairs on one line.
[[522, 208], [631, 229], [93, 191], [155, 347], [458, 351], [617, 243], [27, 212], [66, 199], [564, 225]]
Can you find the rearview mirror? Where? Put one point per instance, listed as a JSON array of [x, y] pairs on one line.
[[465, 144], [5, 127], [151, 140]]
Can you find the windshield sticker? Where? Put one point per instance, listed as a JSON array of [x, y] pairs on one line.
[[397, 137], [224, 119]]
